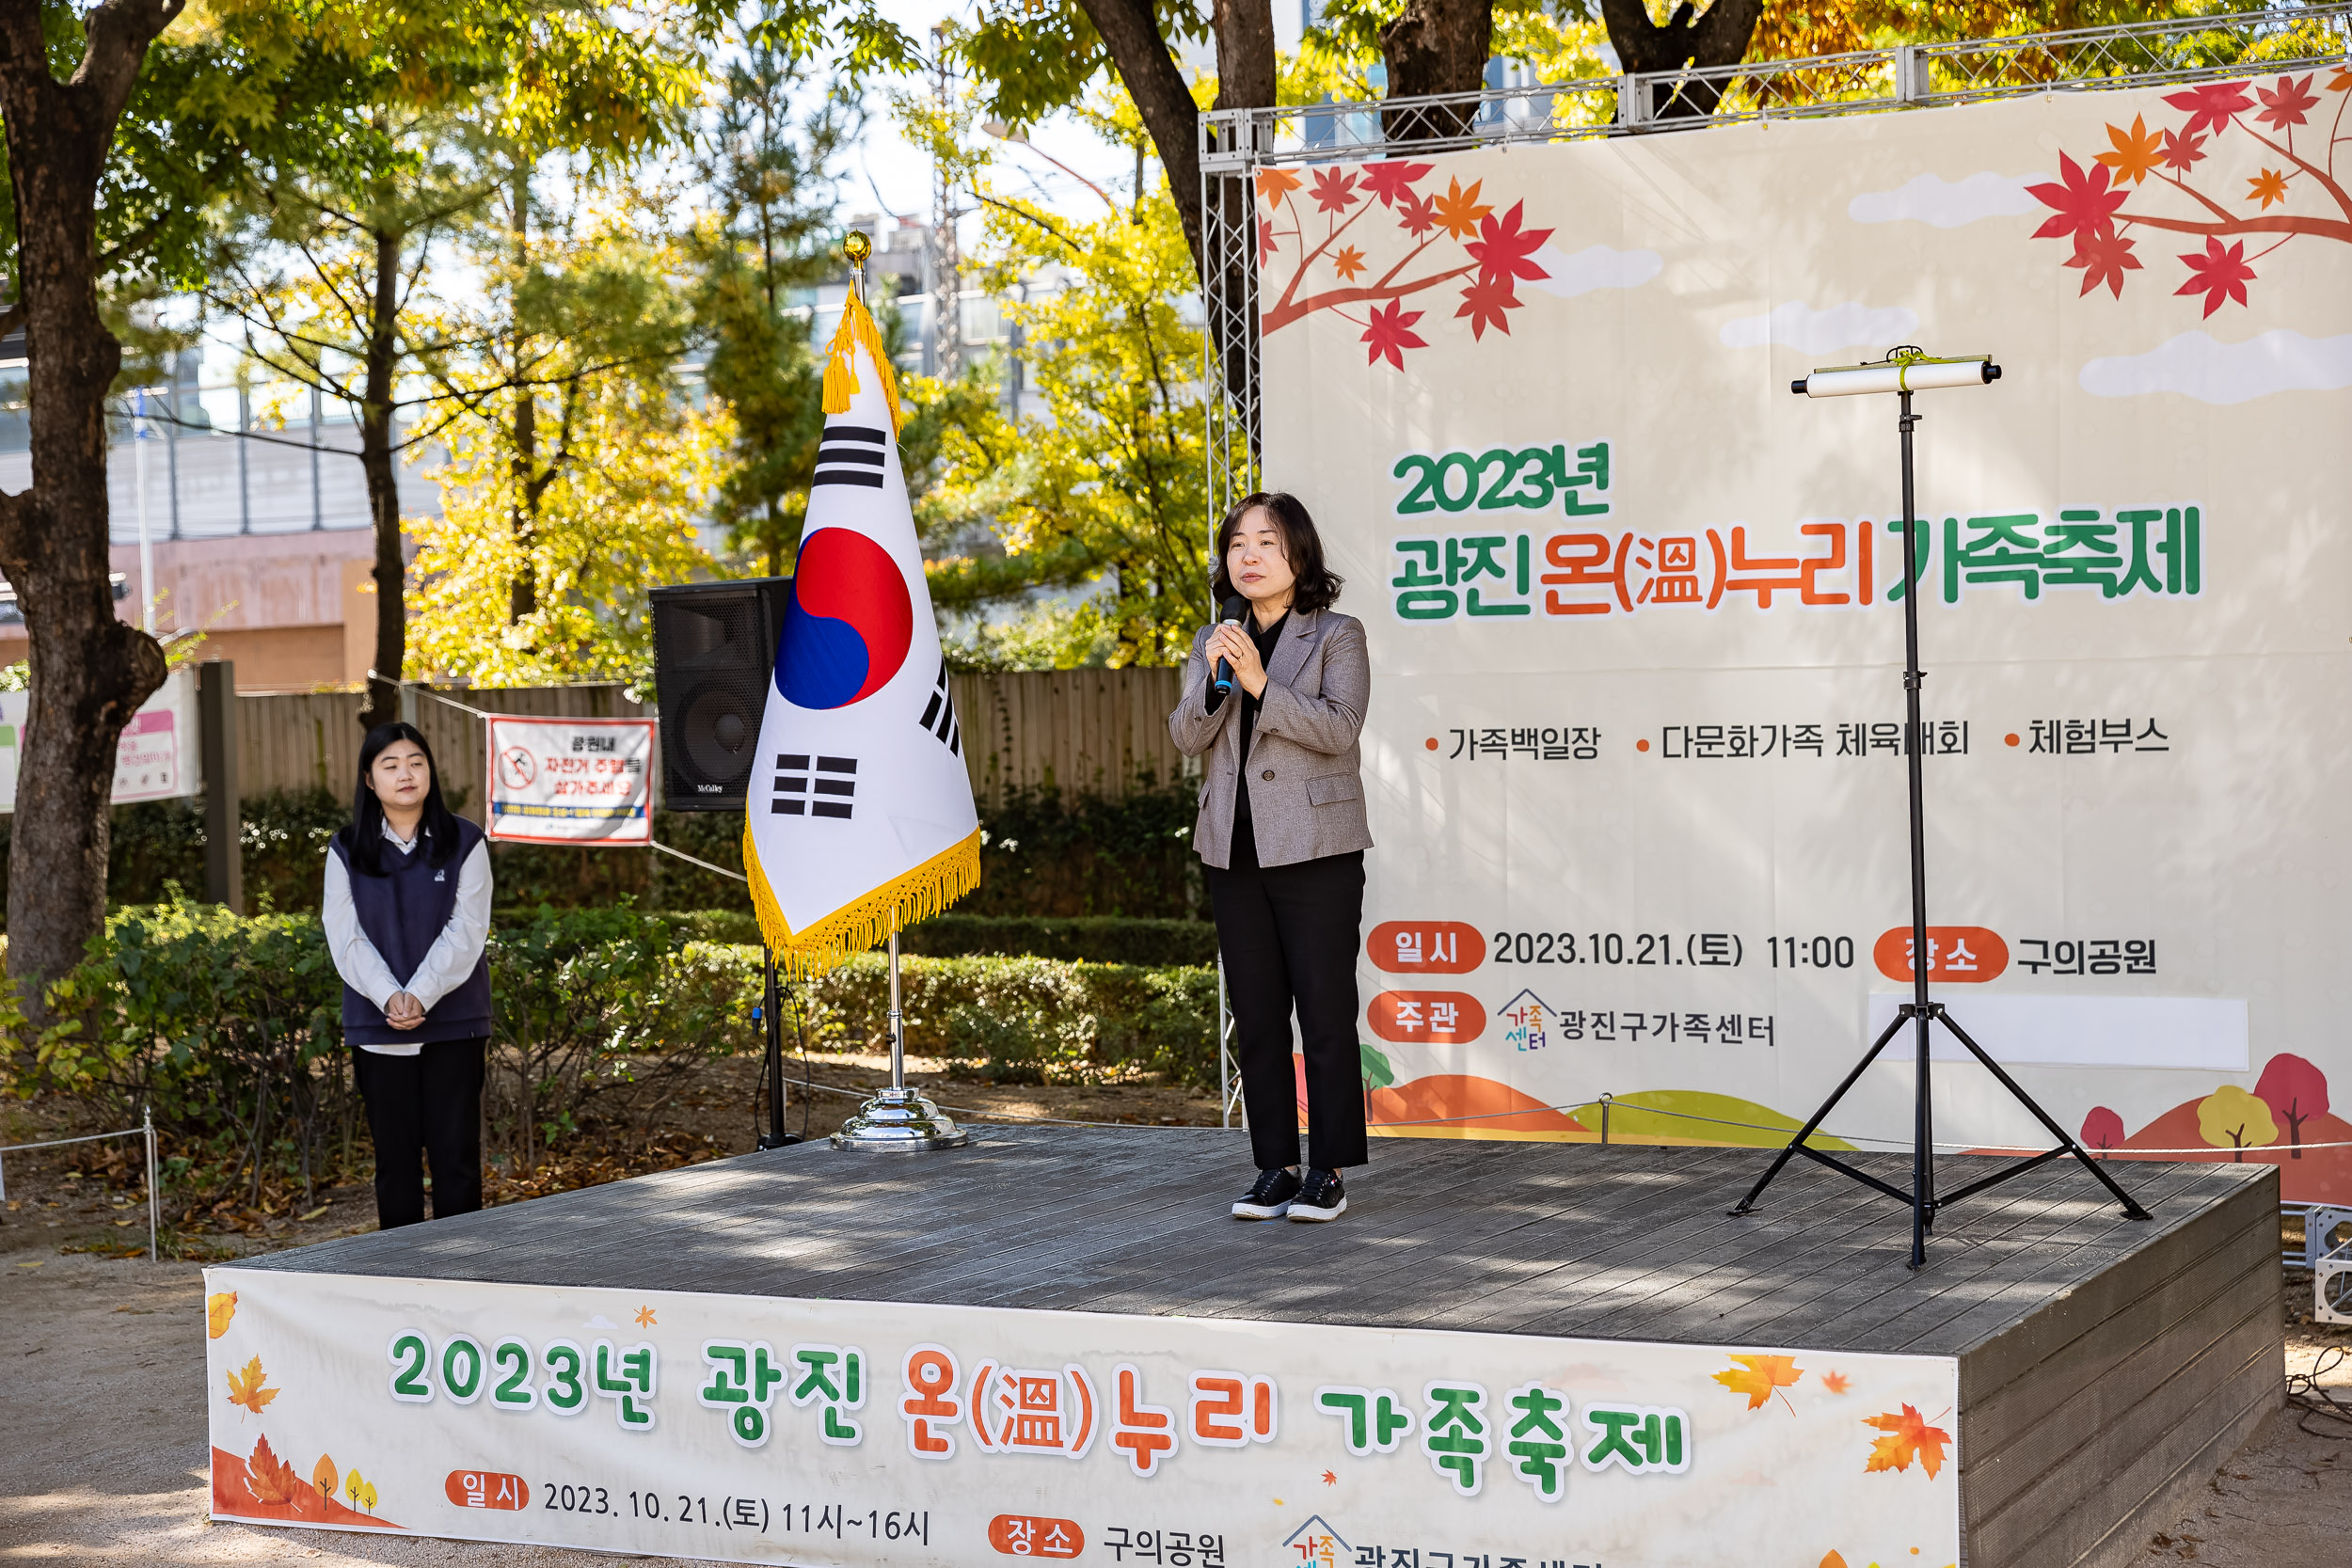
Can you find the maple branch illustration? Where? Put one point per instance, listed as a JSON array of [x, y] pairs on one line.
[[2343, 200], [1308, 259], [1275, 320]]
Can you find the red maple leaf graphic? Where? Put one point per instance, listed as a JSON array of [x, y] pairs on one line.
[[1390, 332], [2181, 151], [1502, 250], [1391, 180], [1420, 214], [1485, 303], [2105, 259], [2084, 205], [2286, 106], [2218, 274], [1265, 240], [2212, 105], [1334, 192]]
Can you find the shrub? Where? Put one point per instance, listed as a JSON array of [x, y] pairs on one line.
[[1097, 939]]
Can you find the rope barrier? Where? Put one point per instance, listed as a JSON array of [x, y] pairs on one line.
[[146, 1129], [692, 860]]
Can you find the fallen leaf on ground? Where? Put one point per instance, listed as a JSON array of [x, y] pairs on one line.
[[1757, 1376], [244, 1388], [314, 1214], [1909, 1438]]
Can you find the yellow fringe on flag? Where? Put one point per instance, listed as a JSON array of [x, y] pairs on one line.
[[865, 922], [858, 327]]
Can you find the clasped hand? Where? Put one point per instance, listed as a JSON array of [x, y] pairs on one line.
[[1230, 642], [404, 1011]]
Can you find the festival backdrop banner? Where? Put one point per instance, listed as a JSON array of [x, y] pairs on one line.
[[570, 781], [757, 1429], [1634, 757], [861, 819]]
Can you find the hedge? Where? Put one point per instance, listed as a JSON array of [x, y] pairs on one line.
[[1095, 939], [230, 1027]]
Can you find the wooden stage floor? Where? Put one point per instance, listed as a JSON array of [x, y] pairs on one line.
[[2105, 1366]]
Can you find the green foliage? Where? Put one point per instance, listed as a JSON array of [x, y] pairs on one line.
[[1096, 939], [1008, 1019], [1045, 855], [1033, 60]]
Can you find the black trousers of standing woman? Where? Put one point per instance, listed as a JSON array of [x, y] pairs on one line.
[[429, 1102], [1288, 935]]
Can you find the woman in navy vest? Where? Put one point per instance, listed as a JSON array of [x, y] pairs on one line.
[[408, 914]]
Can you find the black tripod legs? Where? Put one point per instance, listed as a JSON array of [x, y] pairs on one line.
[[1921, 1200], [1797, 1145]]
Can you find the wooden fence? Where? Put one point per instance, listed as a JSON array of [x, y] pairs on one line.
[[1082, 732]]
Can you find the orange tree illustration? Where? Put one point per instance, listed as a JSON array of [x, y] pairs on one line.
[[2147, 180], [1452, 236]]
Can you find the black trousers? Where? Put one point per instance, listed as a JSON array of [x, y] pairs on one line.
[[428, 1103], [1288, 935]]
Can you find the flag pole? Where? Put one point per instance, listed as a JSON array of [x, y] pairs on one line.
[[896, 1118]]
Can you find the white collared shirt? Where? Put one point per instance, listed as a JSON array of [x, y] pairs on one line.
[[447, 963]]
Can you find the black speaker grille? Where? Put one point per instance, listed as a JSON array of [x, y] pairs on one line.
[[714, 652]]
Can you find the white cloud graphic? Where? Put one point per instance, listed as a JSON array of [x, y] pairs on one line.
[[1946, 204], [1596, 267], [1797, 325], [2197, 366]]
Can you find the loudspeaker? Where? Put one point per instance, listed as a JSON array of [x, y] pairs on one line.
[[714, 651]]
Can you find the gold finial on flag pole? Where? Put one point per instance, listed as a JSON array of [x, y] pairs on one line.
[[858, 327], [858, 246]]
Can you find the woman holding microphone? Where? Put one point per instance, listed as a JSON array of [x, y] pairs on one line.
[[1274, 695], [407, 915]]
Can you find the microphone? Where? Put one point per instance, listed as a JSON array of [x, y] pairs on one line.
[[1233, 610]]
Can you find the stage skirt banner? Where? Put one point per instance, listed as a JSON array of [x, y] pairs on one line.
[[755, 1429], [1635, 756], [570, 781]]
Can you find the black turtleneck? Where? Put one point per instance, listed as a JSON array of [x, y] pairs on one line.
[[1244, 845]]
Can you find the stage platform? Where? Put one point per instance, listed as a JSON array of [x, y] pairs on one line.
[[2079, 1373]]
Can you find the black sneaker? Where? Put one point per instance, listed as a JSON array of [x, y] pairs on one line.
[[1270, 1199], [1320, 1198]]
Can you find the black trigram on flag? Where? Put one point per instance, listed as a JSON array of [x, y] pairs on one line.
[[850, 454], [939, 716], [825, 790]]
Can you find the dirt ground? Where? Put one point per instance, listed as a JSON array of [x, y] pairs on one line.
[[104, 1461]]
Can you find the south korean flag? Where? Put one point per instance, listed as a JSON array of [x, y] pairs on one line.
[[860, 821]]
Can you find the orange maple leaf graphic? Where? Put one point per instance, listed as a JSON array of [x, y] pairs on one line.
[[1276, 183], [2270, 187], [2136, 152], [645, 1317], [1348, 264], [1909, 1438], [1330, 1478], [246, 1388], [1836, 1382], [1757, 1376], [272, 1479], [219, 1310], [1459, 210]]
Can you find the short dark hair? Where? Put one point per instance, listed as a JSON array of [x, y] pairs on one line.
[[1318, 586], [364, 835]]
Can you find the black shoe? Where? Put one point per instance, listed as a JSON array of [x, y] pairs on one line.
[[1270, 1199], [1320, 1198]]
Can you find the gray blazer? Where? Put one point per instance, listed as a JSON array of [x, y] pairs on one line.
[[1306, 788]]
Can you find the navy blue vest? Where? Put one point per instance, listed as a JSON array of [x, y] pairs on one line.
[[402, 913]]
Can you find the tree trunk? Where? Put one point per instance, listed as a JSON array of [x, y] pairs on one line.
[[1719, 37], [90, 671], [522, 594], [1434, 46], [376, 462], [1245, 67]]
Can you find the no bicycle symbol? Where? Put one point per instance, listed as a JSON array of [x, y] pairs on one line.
[[517, 767]]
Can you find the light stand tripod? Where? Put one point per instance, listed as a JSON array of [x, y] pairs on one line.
[[773, 1135], [1903, 372]]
